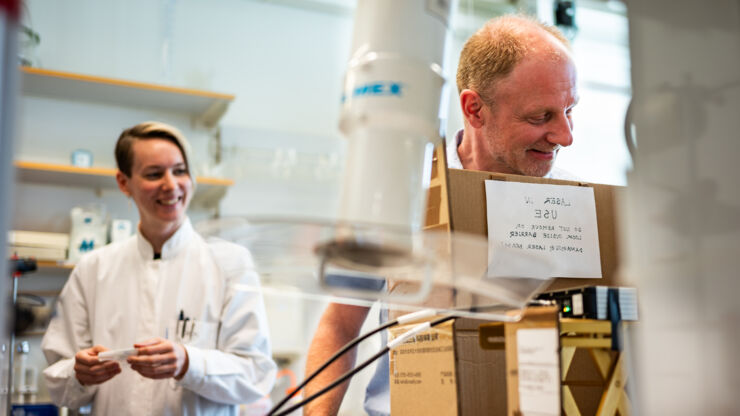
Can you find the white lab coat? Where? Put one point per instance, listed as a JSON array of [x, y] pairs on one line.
[[119, 295]]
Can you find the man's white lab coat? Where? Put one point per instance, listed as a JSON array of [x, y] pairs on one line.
[[119, 295]]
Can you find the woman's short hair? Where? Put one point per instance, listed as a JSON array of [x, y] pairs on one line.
[[144, 131]]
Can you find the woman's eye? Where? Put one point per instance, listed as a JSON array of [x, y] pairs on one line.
[[181, 172]]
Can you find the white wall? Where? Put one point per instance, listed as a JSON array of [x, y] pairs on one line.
[[601, 52], [284, 64]]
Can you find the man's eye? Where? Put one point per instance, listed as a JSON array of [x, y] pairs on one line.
[[153, 175], [539, 119]]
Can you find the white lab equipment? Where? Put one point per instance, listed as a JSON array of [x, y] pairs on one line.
[[82, 158], [25, 380], [120, 230], [390, 110], [88, 232], [390, 117]]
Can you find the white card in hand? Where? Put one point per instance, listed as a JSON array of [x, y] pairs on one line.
[[116, 354]]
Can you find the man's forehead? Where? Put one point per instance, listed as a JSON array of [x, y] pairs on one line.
[[538, 41], [537, 74]]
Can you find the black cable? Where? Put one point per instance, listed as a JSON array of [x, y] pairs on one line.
[[352, 372], [353, 343], [333, 358]]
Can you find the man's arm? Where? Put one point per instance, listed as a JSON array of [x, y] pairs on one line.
[[339, 325]]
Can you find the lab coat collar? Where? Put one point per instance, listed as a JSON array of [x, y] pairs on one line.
[[171, 247]]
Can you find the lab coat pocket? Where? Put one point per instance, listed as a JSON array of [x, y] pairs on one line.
[[193, 332], [201, 334]]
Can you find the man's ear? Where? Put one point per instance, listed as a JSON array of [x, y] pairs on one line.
[[471, 104], [122, 180]]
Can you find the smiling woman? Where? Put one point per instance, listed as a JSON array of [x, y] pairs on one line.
[[200, 344], [154, 172]]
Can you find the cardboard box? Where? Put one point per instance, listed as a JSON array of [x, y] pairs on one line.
[[38, 239], [445, 372], [467, 213], [532, 318], [39, 245], [420, 370]]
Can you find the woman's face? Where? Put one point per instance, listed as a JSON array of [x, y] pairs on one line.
[[159, 184]]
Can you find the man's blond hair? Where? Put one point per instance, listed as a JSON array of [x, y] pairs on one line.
[[495, 49]]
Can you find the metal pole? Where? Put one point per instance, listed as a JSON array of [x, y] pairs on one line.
[[11, 353], [9, 13]]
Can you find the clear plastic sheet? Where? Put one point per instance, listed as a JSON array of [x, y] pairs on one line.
[[362, 264]]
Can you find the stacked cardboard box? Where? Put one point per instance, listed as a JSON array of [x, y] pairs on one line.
[[445, 371], [39, 245]]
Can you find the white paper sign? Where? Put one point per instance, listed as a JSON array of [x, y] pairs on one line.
[[539, 371], [541, 231]]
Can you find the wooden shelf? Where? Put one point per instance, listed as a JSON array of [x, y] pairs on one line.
[[56, 265], [208, 189], [203, 106]]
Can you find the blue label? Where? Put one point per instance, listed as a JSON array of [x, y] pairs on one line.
[[87, 245], [378, 88]]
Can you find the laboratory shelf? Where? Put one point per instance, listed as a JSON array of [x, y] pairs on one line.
[[54, 265], [203, 106], [208, 190]]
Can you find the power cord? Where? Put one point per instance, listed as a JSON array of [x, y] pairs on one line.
[[415, 316], [392, 344]]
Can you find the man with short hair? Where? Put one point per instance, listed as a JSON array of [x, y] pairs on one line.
[[517, 86]]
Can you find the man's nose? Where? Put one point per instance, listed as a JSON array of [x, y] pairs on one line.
[[561, 132]]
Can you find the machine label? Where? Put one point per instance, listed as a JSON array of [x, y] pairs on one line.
[[378, 88]]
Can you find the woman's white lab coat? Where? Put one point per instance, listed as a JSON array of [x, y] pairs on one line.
[[119, 295]]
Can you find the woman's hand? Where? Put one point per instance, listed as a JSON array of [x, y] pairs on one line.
[[159, 358], [89, 370]]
